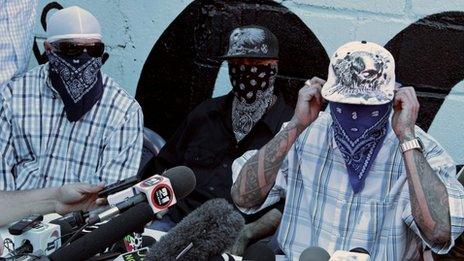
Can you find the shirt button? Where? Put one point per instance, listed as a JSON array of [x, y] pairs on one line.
[[224, 165], [211, 189], [236, 146], [197, 158]]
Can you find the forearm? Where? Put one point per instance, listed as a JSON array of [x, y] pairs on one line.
[[18, 204], [259, 173], [429, 198]]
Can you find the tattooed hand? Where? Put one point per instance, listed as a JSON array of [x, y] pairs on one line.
[[309, 102], [406, 108]]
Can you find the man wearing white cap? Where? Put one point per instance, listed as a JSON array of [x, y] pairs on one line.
[[65, 121], [360, 176]]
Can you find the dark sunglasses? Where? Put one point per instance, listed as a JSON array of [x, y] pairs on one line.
[[72, 49]]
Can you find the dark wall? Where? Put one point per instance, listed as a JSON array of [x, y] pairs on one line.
[[182, 67]]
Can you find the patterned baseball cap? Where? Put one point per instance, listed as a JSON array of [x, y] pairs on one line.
[[360, 73], [252, 41]]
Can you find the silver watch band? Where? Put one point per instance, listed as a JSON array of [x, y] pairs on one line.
[[411, 145]]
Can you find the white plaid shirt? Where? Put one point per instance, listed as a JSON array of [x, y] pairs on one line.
[[17, 19], [321, 209], [40, 148]]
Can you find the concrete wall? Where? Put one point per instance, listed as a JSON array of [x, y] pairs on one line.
[[130, 29]]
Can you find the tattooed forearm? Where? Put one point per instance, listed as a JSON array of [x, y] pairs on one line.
[[429, 199], [259, 173]]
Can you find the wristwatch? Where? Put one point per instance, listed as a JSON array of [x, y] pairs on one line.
[[415, 144]]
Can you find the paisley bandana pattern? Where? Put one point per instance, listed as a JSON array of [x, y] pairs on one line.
[[360, 137], [78, 80], [253, 87]]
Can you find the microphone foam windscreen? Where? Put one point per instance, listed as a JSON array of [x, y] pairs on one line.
[[259, 252], [314, 254], [209, 230], [182, 180]]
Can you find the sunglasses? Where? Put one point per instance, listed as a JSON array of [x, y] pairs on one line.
[[72, 49]]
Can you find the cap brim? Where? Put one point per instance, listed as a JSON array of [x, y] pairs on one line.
[[227, 57], [329, 93]]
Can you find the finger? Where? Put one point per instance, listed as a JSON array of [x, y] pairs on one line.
[[91, 189], [399, 100], [101, 201], [413, 97], [318, 81]]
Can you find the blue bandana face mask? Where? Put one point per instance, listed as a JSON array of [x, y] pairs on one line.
[[78, 81], [359, 131]]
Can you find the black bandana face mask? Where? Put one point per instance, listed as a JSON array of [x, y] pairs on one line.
[[247, 80], [78, 81]]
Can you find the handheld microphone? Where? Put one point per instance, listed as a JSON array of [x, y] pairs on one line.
[[161, 192], [42, 237], [206, 232], [314, 254], [107, 234], [259, 252]]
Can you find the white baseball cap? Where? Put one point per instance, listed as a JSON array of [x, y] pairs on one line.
[[360, 73], [73, 23]]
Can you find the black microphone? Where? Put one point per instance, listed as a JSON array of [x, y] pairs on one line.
[[314, 254], [182, 180], [206, 232], [259, 252], [106, 235]]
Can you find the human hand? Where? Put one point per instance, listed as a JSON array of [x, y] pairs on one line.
[[309, 102], [406, 109], [79, 196]]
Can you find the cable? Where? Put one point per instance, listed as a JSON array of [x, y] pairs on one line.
[[74, 235]]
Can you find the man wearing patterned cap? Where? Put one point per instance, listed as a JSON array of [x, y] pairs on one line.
[[221, 129], [65, 121], [361, 176]]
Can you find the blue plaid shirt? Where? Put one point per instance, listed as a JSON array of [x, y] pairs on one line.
[[40, 148], [17, 19], [321, 209]]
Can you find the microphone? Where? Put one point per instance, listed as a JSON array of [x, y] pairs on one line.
[[161, 192], [358, 254], [259, 252], [314, 254], [107, 234], [206, 232]]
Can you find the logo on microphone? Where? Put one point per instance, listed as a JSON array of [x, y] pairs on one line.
[[162, 196]]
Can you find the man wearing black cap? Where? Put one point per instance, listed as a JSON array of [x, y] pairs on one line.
[[221, 129]]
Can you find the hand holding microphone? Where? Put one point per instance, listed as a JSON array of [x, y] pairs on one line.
[[135, 213]]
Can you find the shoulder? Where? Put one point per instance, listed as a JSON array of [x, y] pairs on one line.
[[433, 150], [29, 82], [24, 87], [209, 106], [116, 96]]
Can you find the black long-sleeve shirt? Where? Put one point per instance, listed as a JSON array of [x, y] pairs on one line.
[[205, 142]]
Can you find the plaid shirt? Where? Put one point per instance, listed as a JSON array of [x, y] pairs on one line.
[[17, 19], [40, 148], [321, 209]]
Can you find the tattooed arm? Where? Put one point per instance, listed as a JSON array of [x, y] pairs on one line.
[[259, 173], [428, 195]]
